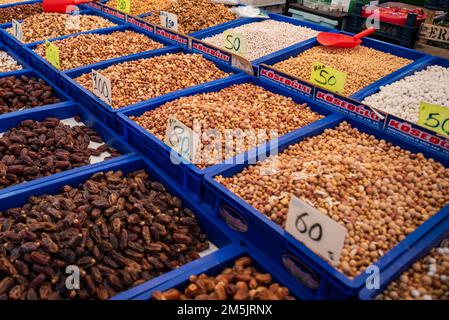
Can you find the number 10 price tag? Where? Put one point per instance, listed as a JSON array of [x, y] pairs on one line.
[[434, 117], [316, 230], [328, 77], [181, 139], [101, 87]]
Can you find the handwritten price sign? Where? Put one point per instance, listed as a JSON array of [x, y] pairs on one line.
[[52, 54], [124, 6], [434, 117], [328, 78]]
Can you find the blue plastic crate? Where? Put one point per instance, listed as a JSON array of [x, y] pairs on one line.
[[214, 265], [56, 75], [188, 175], [106, 112], [63, 97], [316, 277], [65, 112], [212, 228], [12, 54]]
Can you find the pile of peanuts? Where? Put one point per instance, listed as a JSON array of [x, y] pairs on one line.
[[241, 282], [92, 48], [143, 79], [402, 98], [266, 37], [143, 6], [379, 192], [7, 63], [195, 15], [19, 12], [426, 279], [362, 65], [238, 107], [51, 25]]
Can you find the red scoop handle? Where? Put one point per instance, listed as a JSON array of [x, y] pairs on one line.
[[365, 33]]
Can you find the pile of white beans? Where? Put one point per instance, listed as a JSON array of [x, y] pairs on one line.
[[402, 98], [7, 63], [266, 37]]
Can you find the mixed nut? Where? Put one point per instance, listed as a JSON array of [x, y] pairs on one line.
[[19, 12], [120, 231], [7, 63], [241, 282]]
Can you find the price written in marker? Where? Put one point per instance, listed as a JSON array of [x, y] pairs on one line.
[[316, 230], [181, 138], [17, 30], [52, 54], [434, 117], [169, 20], [328, 77], [101, 87], [235, 43], [124, 6]]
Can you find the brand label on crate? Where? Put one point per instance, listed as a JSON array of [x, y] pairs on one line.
[[211, 51], [17, 30], [352, 108], [124, 6], [417, 134], [94, 5], [181, 138], [52, 54], [434, 117], [287, 81], [327, 77], [300, 271], [141, 24], [316, 230], [233, 219], [173, 36], [169, 20], [115, 13], [101, 87], [234, 42], [433, 32]]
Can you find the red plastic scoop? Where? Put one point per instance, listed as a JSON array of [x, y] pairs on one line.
[[60, 6], [341, 40]]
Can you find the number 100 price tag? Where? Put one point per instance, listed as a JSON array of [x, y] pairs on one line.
[[434, 117], [101, 87], [328, 77], [316, 230]]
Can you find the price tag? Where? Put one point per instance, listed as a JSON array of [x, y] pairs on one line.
[[316, 230], [17, 30], [328, 77], [101, 87], [242, 63], [434, 117], [124, 6], [181, 138], [235, 43], [52, 54], [169, 20]]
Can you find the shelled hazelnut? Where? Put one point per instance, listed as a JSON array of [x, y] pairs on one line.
[[19, 12]]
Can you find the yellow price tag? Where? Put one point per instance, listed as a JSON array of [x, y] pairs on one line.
[[52, 54], [124, 6], [235, 43], [328, 77], [434, 117]]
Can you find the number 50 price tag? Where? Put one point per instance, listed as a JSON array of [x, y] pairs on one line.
[[235, 43], [434, 117], [124, 6], [328, 77], [316, 230]]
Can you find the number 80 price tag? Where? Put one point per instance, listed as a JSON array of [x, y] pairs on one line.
[[434, 117]]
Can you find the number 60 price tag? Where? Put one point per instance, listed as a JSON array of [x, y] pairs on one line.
[[316, 230]]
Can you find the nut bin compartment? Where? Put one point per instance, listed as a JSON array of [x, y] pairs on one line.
[[317, 278], [23, 9], [106, 112], [393, 51], [69, 159], [215, 263], [98, 235], [42, 64], [10, 62], [186, 174], [57, 96]]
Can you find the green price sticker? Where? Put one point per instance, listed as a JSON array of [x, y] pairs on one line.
[[124, 6], [434, 117], [52, 54], [328, 77], [235, 43]]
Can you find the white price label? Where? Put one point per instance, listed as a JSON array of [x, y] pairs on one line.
[[101, 87], [181, 138], [241, 63], [169, 20], [316, 230], [17, 30]]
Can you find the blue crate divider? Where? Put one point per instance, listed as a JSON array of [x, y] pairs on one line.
[[316, 277], [107, 113], [11, 120], [414, 253], [186, 174], [212, 228], [215, 263], [63, 97], [55, 74]]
